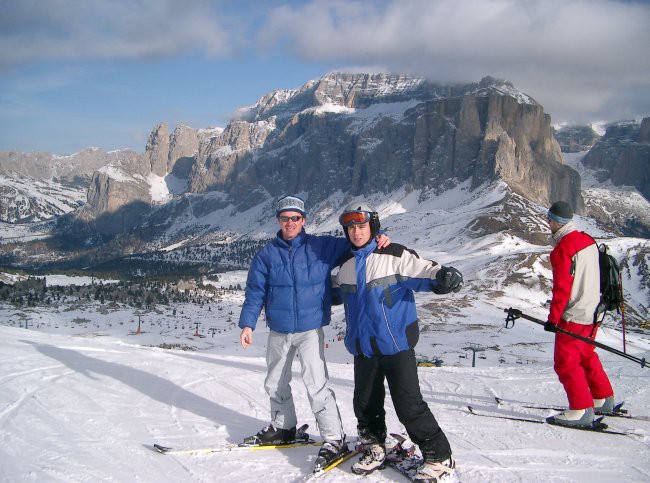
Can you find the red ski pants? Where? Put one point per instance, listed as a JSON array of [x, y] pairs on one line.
[[579, 368]]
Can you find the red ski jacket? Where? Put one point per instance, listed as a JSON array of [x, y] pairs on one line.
[[576, 277]]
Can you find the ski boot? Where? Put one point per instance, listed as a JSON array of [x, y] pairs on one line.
[[434, 470], [573, 417], [271, 435], [604, 406], [373, 458], [330, 452]]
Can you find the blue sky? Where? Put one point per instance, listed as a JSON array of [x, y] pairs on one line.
[[103, 73]]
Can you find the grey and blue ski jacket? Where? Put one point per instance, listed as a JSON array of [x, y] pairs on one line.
[[376, 287], [291, 280]]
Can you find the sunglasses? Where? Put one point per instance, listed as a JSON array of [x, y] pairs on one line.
[[354, 218], [294, 218]]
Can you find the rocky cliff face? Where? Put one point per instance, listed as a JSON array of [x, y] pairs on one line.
[[623, 155], [39, 186], [575, 139], [120, 192], [71, 170], [157, 150], [367, 133], [354, 133]]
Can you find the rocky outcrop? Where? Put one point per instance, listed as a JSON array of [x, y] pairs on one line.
[[623, 155], [367, 133], [40, 186], [74, 170], [121, 192], [575, 139], [357, 133], [219, 155], [118, 194], [157, 150], [115, 205], [183, 145]]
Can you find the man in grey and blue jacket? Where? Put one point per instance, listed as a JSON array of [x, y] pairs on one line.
[[377, 287]]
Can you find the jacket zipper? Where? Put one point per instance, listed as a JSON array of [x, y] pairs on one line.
[[383, 309], [295, 294]]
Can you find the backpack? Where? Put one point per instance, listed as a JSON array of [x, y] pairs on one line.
[[611, 291]]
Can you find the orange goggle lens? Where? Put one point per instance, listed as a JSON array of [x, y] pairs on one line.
[[354, 218]]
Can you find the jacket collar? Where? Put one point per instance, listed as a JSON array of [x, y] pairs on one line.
[[557, 236], [294, 242], [366, 249]]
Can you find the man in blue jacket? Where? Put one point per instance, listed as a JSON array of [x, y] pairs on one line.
[[290, 279], [376, 286]]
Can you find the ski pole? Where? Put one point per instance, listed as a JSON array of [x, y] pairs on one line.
[[620, 283], [514, 314]]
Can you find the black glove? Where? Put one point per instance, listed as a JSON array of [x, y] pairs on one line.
[[550, 326], [449, 280]]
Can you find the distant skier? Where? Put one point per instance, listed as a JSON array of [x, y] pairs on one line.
[[290, 278], [576, 293], [376, 286]]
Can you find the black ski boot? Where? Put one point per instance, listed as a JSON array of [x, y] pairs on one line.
[[329, 452], [271, 435]]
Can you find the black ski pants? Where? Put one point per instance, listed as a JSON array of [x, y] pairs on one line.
[[401, 372]]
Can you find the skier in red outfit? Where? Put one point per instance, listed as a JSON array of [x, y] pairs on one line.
[[576, 293]]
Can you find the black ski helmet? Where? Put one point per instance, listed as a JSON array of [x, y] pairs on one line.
[[361, 207]]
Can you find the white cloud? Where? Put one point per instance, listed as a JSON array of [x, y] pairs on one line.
[[32, 30], [591, 49], [581, 59]]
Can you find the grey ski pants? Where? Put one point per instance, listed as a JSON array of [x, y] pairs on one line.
[[281, 350]]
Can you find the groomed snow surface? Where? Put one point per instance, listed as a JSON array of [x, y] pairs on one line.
[[86, 406]]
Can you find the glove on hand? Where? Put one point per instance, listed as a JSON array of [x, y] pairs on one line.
[[449, 280], [550, 326]]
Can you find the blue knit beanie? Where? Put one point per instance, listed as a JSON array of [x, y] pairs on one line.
[[560, 212]]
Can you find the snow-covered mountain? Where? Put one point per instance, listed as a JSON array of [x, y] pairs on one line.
[[25, 199], [462, 168], [41, 186], [85, 392], [574, 139], [357, 133]]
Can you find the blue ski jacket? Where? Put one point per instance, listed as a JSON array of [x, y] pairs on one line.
[[291, 281], [376, 287]]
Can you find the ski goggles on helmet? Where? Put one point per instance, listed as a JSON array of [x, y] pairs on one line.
[[354, 218]]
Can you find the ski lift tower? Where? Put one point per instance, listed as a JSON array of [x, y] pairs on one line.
[[139, 316], [474, 348]]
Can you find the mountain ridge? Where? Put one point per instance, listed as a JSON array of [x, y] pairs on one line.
[[476, 169]]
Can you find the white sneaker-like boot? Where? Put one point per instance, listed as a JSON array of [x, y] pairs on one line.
[[435, 471], [573, 417], [604, 406], [374, 458]]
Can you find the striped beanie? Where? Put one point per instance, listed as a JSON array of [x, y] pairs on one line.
[[560, 212]]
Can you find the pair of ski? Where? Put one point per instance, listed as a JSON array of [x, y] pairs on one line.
[[402, 457], [301, 439], [597, 425], [617, 412]]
